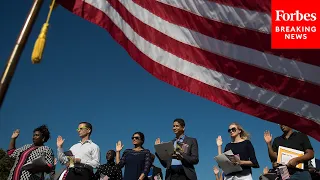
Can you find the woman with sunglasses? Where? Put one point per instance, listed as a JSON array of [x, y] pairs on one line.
[[244, 153], [137, 161]]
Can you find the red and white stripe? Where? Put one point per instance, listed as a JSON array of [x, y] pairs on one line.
[[217, 49]]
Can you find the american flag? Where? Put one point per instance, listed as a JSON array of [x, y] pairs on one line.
[[217, 49]]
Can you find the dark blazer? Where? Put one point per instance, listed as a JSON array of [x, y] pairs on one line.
[[190, 158], [156, 171]]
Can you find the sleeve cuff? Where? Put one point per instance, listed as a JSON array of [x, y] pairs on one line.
[[50, 165], [9, 152]]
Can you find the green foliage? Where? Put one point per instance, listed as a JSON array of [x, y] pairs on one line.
[[6, 164]]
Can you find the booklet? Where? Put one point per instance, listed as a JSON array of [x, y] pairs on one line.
[[68, 153], [225, 162], [37, 165]]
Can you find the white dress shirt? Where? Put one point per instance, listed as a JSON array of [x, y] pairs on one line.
[[88, 152]]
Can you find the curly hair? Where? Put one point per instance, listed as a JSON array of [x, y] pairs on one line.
[[113, 153], [44, 131]]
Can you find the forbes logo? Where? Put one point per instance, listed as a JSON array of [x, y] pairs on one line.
[[296, 16]]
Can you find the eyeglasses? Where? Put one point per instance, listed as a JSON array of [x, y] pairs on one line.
[[232, 130], [82, 128], [135, 137]]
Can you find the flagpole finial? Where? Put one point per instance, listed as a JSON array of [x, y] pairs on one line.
[[41, 41]]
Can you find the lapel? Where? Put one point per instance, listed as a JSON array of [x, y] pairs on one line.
[[185, 139]]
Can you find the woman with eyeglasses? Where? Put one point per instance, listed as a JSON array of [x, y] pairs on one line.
[[30, 152], [243, 150], [137, 161]]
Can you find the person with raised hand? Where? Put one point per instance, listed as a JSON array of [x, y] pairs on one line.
[[294, 140], [182, 163], [82, 157], [30, 152], [110, 170], [243, 150], [137, 161]]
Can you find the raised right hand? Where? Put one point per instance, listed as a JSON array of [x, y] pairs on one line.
[[219, 141], [267, 137], [15, 134], [215, 170], [60, 142], [157, 141], [266, 170], [119, 146]]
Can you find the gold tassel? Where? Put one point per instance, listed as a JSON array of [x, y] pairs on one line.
[[40, 44], [41, 41]]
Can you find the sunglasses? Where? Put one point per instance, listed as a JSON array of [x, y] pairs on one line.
[[79, 129], [232, 130], [135, 137]]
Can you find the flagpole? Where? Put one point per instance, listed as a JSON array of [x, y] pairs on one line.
[[18, 49]]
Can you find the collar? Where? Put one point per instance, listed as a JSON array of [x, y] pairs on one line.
[[87, 141], [181, 138], [111, 163], [105, 166], [293, 134]]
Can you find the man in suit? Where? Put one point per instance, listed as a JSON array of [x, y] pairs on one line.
[[181, 165], [154, 171]]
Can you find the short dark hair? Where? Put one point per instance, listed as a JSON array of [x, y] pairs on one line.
[[112, 152], [180, 121], [44, 132], [141, 136], [88, 125]]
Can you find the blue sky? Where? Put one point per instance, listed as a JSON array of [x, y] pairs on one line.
[[86, 76]]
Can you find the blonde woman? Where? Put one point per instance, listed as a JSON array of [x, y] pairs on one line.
[[243, 150]]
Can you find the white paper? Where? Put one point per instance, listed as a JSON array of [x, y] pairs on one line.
[[225, 164], [164, 150], [313, 162], [286, 157]]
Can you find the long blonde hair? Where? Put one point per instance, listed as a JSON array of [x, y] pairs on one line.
[[244, 134]]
